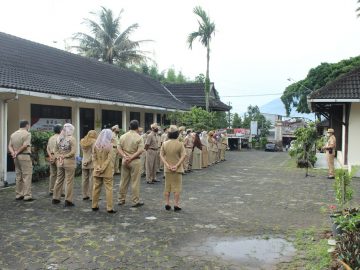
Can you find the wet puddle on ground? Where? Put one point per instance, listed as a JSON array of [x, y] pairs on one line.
[[245, 253]]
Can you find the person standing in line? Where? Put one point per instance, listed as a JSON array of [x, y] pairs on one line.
[[65, 149], [212, 148], [151, 147], [87, 145], [163, 139], [103, 158], [143, 155], [330, 149], [182, 135], [218, 147], [205, 153], [20, 150], [116, 131], [189, 145], [50, 149], [224, 146], [130, 147], [197, 153], [173, 154], [157, 160]]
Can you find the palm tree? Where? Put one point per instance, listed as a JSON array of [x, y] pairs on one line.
[[204, 33], [358, 9], [107, 43]]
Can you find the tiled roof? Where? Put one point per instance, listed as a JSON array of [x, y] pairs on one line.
[[27, 65], [346, 86], [193, 94]]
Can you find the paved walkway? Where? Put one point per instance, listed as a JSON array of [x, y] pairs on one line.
[[252, 194]]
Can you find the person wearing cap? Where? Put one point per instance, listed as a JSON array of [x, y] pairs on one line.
[[143, 155], [130, 147], [224, 145], [65, 150], [189, 146], [330, 149], [151, 147], [20, 150], [116, 131], [50, 149], [157, 160], [164, 138], [173, 154]]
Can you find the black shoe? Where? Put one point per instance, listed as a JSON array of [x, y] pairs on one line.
[[149, 182], [143, 175], [62, 195], [139, 204], [86, 198], [111, 211], [19, 198], [167, 207], [95, 209], [55, 201], [177, 208], [331, 177], [29, 200], [68, 204], [163, 176], [156, 181], [121, 203], [51, 193]]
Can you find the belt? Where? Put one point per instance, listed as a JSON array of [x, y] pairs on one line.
[[155, 149], [189, 147]]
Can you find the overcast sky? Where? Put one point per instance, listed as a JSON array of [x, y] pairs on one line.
[[257, 46]]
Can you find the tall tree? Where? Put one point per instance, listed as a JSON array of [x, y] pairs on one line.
[[107, 43], [236, 121], [295, 95], [205, 32], [253, 114]]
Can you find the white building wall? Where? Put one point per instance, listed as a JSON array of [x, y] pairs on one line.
[[354, 135]]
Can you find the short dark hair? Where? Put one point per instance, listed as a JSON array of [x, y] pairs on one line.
[[57, 129], [23, 123], [188, 132], [134, 124], [173, 135], [165, 129]]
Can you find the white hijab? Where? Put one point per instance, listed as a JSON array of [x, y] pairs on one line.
[[104, 140]]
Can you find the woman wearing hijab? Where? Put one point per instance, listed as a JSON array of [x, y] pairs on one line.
[[173, 153], [212, 148], [197, 153], [205, 153], [65, 149], [103, 161], [87, 144]]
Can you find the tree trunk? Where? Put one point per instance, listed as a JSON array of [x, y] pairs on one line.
[[207, 79]]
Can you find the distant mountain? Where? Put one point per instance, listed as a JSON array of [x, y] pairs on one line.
[[277, 107]]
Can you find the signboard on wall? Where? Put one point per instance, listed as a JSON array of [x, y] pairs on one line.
[[254, 127], [47, 124]]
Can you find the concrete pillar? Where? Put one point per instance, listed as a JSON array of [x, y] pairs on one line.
[[3, 141], [142, 120], [125, 119], [278, 131], [77, 128], [155, 118]]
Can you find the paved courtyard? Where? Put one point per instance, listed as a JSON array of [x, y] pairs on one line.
[[252, 194]]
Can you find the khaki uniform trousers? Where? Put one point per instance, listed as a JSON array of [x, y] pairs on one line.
[[188, 159], [98, 182], [222, 153], [157, 160], [23, 171], [117, 162], [52, 178], [87, 183], [143, 164], [130, 174], [151, 164], [205, 157], [212, 157], [64, 174], [330, 160]]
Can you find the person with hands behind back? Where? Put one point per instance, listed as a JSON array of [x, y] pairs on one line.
[[103, 161], [173, 153]]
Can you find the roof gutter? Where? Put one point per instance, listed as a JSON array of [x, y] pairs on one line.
[[335, 100], [83, 100]]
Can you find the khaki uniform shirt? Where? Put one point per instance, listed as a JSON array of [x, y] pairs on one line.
[[172, 151], [212, 144], [103, 159], [52, 143], [152, 141], [87, 157], [19, 138], [158, 139], [131, 142], [189, 142], [332, 144], [68, 151], [164, 138]]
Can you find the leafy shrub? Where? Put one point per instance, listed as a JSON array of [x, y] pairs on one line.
[[348, 249], [342, 186]]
